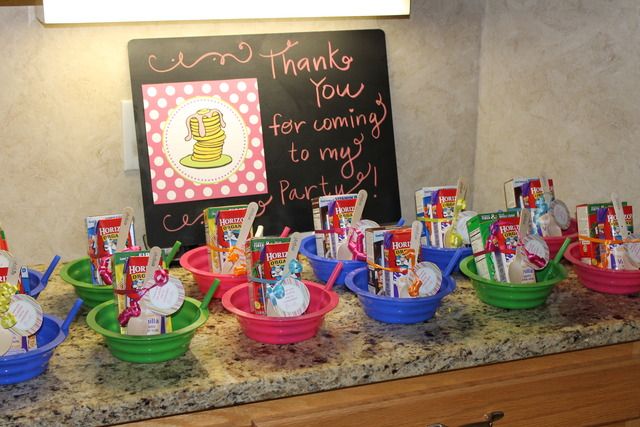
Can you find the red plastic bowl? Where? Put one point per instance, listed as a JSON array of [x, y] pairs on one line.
[[555, 243], [280, 330], [621, 282], [197, 262]]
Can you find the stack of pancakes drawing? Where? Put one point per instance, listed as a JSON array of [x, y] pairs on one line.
[[206, 128]]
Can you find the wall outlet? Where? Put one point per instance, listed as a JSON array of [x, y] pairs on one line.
[[129, 144]]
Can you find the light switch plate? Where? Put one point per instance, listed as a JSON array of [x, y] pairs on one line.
[[129, 145]]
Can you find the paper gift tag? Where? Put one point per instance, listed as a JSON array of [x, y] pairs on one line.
[[28, 314], [5, 340], [287, 297], [560, 213], [166, 299], [535, 245]]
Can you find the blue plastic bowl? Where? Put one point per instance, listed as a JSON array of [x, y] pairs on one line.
[[23, 367], [323, 267], [441, 256], [396, 310]]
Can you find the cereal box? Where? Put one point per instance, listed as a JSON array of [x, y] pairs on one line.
[[397, 257], [222, 226], [611, 254], [494, 237], [432, 203], [587, 218], [331, 218], [129, 272], [102, 233]]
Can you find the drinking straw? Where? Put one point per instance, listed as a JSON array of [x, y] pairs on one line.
[[285, 231], [453, 262], [556, 260], [47, 273], [334, 276], [172, 253]]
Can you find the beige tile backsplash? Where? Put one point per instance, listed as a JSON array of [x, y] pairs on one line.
[[486, 89]]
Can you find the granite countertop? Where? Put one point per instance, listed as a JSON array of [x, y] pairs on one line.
[[86, 385]]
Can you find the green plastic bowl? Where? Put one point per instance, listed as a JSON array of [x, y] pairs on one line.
[[78, 274], [515, 296], [150, 348]]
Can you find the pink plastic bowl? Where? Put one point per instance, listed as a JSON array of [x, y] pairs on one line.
[[555, 243], [622, 282], [196, 261], [280, 330]]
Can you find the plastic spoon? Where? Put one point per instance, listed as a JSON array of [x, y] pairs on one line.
[[518, 264], [416, 234], [453, 263], [207, 298], [71, 316], [172, 254], [546, 275], [453, 239], [47, 274], [343, 251], [125, 226], [259, 231], [247, 223]]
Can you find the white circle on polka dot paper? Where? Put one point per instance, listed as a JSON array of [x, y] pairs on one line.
[[147, 126], [150, 148], [152, 91], [171, 195], [225, 190], [188, 89], [189, 193], [153, 114], [242, 188], [158, 161], [264, 174], [156, 137], [162, 125], [224, 87], [242, 86], [152, 173], [260, 130], [161, 184], [179, 100], [206, 88], [258, 107], [260, 186], [251, 97], [179, 182], [170, 90], [179, 152], [207, 191], [242, 167], [253, 119], [145, 104], [257, 164], [249, 154], [234, 98], [255, 142], [233, 178], [155, 196], [168, 172], [243, 108], [250, 176], [162, 103]]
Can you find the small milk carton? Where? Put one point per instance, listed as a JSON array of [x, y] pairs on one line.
[[612, 256], [398, 257], [129, 272], [331, 218], [102, 232], [587, 219], [373, 243], [266, 257], [494, 237], [222, 226]]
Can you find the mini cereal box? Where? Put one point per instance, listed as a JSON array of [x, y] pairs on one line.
[[434, 206], [611, 254], [130, 269], [587, 218], [102, 232], [222, 227]]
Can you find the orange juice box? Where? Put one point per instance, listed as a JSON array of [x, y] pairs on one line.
[[222, 226], [130, 269], [102, 233]]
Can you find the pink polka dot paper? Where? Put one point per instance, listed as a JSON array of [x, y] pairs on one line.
[[167, 107]]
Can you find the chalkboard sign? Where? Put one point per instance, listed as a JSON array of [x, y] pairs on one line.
[[274, 118]]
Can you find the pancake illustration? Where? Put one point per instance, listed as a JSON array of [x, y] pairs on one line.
[[205, 127]]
